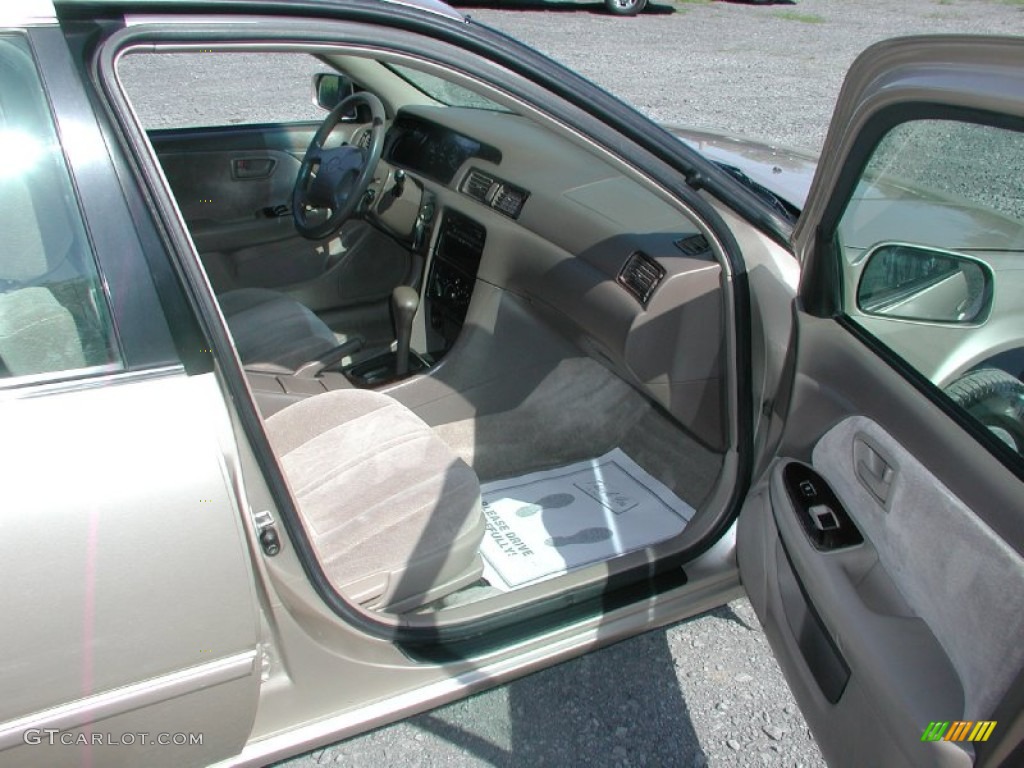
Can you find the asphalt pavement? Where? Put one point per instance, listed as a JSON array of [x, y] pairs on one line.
[[706, 691]]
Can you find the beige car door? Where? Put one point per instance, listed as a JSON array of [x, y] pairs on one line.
[[130, 624], [883, 548]]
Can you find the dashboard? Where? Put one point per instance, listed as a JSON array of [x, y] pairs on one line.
[[432, 150], [619, 271]]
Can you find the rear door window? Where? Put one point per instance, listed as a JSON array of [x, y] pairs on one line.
[[54, 317]]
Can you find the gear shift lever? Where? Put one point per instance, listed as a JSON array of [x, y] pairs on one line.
[[404, 302]]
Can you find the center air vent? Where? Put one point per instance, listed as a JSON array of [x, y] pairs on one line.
[[509, 200], [478, 185], [640, 275], [498, 194]]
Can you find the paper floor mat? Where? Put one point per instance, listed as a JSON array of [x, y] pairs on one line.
[[547, 523]]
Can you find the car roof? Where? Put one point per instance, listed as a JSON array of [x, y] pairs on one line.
[[254, 7]]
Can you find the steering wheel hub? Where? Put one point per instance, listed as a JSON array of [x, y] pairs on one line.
[[334, 180]]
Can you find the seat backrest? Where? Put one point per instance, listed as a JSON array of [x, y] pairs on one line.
[[24, 256]]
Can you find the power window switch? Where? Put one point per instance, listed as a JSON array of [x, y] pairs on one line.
[[824, 519]]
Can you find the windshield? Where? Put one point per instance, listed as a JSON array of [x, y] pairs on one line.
[[444, 91]]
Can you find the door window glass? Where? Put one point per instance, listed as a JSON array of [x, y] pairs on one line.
[[223, 88], [53, 312], [932, 251]]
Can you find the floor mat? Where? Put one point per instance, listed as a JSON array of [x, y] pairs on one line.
[[547, 523]]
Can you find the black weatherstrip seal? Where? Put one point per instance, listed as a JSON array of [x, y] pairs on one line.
[[467, 637]]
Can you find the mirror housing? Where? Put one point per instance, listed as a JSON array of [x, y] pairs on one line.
[[330, 89], [902, 281]]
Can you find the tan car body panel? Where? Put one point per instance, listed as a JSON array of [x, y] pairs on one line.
[[142, 604]]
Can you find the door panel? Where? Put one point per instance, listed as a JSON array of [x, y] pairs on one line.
[[922, 520], [895, 643], [921, 621]]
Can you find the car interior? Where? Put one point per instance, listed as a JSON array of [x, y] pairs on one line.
[[446, 368], [490, 356]]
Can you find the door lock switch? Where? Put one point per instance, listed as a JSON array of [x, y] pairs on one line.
[[807, 490]]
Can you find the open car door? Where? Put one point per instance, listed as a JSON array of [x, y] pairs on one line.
[[882, 546]]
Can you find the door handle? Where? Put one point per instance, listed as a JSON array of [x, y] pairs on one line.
[[252, 168], [873, 470]]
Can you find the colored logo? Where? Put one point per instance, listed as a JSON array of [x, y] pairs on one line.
[[959, 730]]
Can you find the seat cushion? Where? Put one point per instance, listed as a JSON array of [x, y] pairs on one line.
[[272, 331], [393, 514]]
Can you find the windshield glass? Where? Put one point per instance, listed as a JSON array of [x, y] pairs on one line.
[[442, 90]]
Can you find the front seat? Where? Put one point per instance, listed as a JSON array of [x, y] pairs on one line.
[[275, 333], [393, 515]]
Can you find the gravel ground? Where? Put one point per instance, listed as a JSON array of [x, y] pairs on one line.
[[771, 72], [707, 691]]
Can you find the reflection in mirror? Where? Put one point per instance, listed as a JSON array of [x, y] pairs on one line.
[[331, 89], [913, 282]]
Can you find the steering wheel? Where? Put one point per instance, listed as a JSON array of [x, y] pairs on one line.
[[336, 179]]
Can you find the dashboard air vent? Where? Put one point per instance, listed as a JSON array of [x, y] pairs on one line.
[[693, 245], [640, 275], [493, 192], [363, 139], [509, 200], [477, 185]]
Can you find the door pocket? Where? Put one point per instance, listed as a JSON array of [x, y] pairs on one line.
[[844, 610], [826, 663]]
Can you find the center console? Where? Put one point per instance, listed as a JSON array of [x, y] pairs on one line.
[[458, 248], [460, 244]]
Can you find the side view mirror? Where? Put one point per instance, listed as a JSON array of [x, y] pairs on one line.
[[330, 89], [929, 285]]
